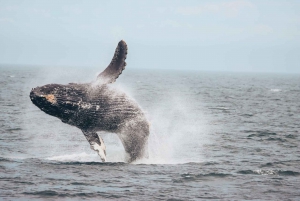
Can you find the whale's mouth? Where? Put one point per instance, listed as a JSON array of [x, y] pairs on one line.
[[36, 96]]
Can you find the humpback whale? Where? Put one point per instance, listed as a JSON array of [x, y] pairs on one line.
[[96, 106]]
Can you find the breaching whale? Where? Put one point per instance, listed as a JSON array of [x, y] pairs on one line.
[[96, 106]]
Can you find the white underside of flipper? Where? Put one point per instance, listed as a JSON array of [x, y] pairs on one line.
[[101, 149]]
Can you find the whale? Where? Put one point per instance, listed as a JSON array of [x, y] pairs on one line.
[[98, 107]]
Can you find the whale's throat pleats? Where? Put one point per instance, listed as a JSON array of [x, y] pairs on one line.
[[116, 66]]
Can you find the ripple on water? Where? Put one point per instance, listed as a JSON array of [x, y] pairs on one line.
[[194, 177], [262, 133], [270, 172]]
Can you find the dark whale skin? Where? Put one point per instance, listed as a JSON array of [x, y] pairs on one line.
[[97, 106]]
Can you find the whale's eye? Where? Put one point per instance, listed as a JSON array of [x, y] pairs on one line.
[[51, 98]]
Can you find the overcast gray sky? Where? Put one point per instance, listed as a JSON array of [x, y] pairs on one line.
[[233, 35]]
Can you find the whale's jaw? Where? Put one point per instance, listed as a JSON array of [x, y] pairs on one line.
[[46, 102]]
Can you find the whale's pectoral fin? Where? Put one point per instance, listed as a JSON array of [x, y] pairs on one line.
[[97, 144], [116, 66]]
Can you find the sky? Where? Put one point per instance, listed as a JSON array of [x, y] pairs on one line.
[[228, 35]]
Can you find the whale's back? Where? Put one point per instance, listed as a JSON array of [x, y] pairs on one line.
[[104, 108]]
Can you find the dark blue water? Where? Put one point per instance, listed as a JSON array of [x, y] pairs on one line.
[[220, 136]]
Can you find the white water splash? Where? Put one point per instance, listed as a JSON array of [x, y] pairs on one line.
[[265, 172], [177, 132], [81, 157]]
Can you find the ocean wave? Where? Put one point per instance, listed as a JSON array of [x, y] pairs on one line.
[[276, 139], [270, 172], [195, 177], [261, 133], [92, 163], [52, 193], [2, 159]]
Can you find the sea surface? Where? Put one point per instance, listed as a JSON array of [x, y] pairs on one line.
[[214, 135]]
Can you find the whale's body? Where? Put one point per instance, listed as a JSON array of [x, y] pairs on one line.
[[96, 107]]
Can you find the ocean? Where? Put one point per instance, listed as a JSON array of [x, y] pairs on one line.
[[213, 135]]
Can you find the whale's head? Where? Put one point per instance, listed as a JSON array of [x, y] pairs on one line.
[[57, 100]]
